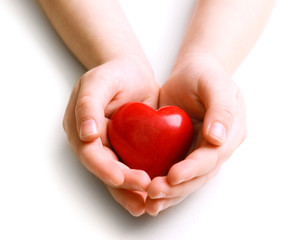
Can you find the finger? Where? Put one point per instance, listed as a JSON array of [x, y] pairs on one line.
[[162, 189], [133, 202], [174, 194], [69, 122], [99, 160], [102, 162], [219, 98], [136, 180], [96, 91], [155, 206], [198, 163]]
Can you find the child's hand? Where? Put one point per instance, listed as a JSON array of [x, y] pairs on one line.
[[216, 106], [95, 97]]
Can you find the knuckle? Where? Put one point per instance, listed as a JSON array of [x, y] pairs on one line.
[[88, 155], [83, 156], [91, 74], [83, 104], [226, 111]]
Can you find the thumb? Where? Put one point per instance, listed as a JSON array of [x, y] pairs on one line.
[[220, 103], [94, 95]]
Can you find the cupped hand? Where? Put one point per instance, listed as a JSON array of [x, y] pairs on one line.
[[94, 99], [200, 86]]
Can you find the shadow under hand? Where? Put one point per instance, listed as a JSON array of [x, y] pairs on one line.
[[90, 196]]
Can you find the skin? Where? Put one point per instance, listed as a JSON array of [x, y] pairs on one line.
[[94, 32], [220, 36]]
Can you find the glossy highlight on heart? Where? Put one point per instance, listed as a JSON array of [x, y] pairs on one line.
[[148, 139]]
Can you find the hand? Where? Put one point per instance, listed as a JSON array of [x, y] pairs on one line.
[[200, 86], [94, 99]]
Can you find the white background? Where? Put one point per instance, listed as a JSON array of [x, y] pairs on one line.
[[45, 193]]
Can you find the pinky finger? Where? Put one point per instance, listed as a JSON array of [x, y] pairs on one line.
[[176, 194], [133, 202], [195, 165], [155, 206]]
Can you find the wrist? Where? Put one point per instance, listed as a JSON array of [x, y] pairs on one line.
[[198, 62], [138, 65]]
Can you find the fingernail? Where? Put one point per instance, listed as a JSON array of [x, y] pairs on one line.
[[157, 212], [88, 127], [180, 181], [138, 188], [135, 214], [160, 195], [218, 131]]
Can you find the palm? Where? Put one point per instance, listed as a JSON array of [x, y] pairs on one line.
[[98, 94], [205, 158]]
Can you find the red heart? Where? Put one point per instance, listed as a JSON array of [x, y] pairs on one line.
[[148, 139]]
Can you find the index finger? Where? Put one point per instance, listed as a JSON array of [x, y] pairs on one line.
[[198, 163], [102, 162]]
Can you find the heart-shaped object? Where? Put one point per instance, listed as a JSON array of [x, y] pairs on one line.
[[148, 139]]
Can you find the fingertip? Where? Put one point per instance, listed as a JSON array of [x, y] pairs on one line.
[[145, 181], [176, 176], [153, 206], [220, 113], [88, 130], [117, 178], [142, 180], [112, 174], [133, 202], [137, 213], [135, 180], [216, 133], [157, 187]]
